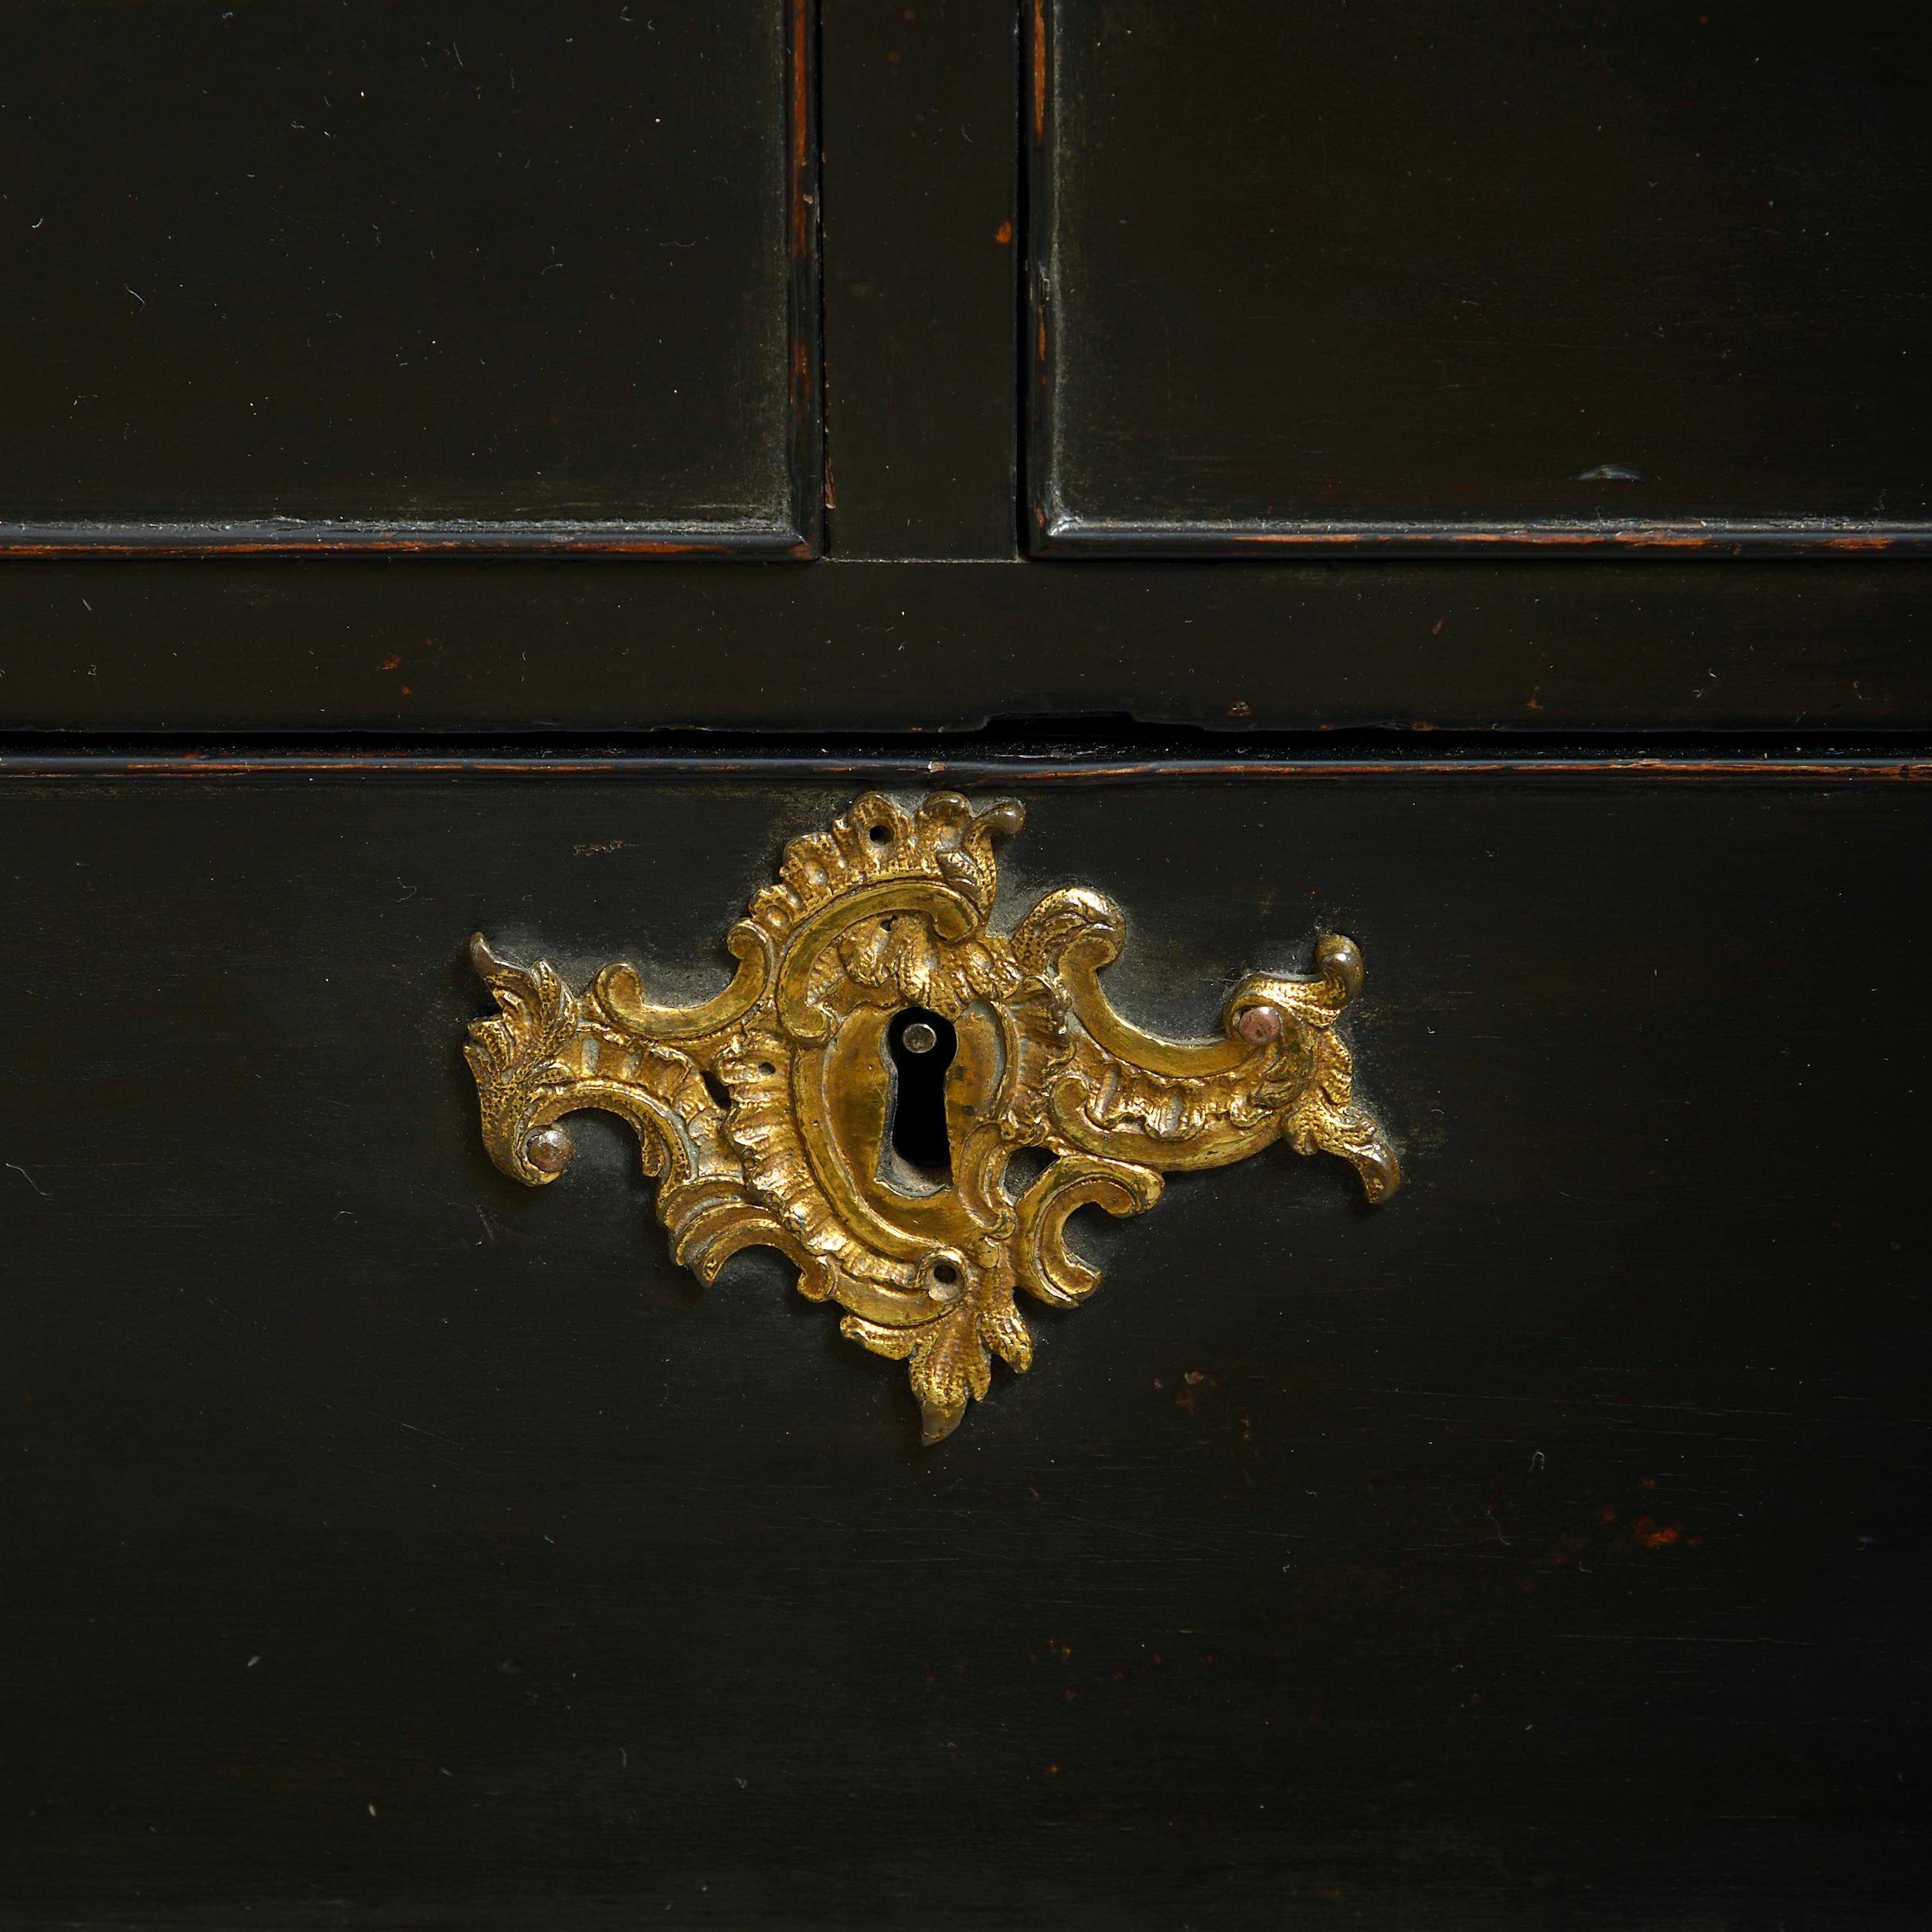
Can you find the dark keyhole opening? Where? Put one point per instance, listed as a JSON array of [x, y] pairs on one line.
[[922, 1045]]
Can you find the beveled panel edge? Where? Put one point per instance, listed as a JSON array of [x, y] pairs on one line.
[[1011, 767], [688, 543], [1059, 535]]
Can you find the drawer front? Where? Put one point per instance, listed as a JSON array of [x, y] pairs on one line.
[[393, 1544]]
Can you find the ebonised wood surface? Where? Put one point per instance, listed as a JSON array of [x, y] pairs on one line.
[[1445, 270], [322, 272], [922, 243], [388, 1547], [274, 647]]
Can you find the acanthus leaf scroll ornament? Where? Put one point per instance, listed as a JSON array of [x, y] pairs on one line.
[[765, 1113]]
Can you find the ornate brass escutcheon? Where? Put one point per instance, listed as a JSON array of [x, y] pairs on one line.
[[853, 1098]]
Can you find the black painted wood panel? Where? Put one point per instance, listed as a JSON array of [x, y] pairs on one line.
[[534, 650], [409, 273], [390, 1546], [1358, 271], [922, 226]]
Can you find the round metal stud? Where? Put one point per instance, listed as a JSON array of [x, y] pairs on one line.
[[547, 1150], [1259, 1026], [919, 1038]]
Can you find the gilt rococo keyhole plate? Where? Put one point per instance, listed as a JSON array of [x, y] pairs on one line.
[[767, 1112]]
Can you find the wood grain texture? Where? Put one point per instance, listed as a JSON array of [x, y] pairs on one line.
[[323, 276], [390, 1546], [1515, 275]]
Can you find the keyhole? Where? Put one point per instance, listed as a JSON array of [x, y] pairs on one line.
[[922, 1046]]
